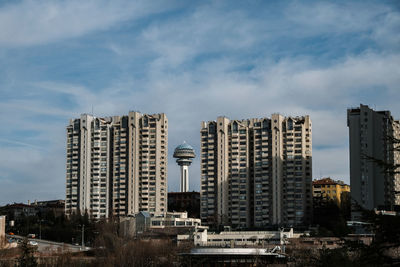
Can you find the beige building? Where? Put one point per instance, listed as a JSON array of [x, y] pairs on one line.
[[371, 136], [256, 172], [117, 164]]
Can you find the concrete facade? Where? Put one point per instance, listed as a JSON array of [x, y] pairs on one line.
[[117, 165], [256, 172], [371, 136]]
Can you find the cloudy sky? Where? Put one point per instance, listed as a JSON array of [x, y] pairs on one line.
[[194, 61]]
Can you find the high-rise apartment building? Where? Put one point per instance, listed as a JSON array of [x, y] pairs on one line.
[[256, 172], [117, 165], [371, 137]]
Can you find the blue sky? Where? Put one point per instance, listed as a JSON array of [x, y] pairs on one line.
[[194, 61]]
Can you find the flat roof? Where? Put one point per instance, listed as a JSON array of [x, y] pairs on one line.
[[233, 251]]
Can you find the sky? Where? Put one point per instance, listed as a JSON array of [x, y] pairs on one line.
[[194, 61]]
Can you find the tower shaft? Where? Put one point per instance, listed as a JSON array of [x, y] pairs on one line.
[[184, 178]]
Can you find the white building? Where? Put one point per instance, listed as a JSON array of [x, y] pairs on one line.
[[256, 172], [238, 238], [117, 165], [173, 219]]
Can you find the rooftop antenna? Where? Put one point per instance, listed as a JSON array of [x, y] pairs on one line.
[[92, 110]]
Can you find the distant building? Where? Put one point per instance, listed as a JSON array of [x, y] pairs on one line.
[[185, 201], [117, 165], [328, 189], [174, 219], [57, 207], [256, 172], [144, 221], [18, 210], [371, 139]]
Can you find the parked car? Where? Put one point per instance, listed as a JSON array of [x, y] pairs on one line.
[[33, 243], [31, 236]]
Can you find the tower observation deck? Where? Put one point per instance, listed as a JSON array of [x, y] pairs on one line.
[[184, 154]]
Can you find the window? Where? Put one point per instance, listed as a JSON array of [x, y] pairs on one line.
[[234, 127], [290, 124]]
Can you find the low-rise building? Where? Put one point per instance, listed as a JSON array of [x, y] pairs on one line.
[[329, 189], [57, 207], [144, 221], [173, 219], [18, 210], [203, 238], [185, 201]]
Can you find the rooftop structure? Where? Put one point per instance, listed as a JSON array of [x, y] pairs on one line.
[[184, 154]]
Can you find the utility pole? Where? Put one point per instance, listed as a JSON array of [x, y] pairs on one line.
[[83, 236]]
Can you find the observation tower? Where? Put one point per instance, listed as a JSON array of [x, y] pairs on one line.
[[184, 154]]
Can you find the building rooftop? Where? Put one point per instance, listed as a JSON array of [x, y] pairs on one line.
[[328, 181]]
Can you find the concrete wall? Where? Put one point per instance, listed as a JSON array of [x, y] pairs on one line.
[[2, 230]]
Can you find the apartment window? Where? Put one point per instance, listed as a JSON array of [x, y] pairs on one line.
[[290, 124]]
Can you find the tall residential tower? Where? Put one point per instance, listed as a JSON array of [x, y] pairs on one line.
[[117, 165], [371, 137], [256, 172]]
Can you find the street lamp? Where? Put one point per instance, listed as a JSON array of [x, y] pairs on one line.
[[40, 229], [83, 235]]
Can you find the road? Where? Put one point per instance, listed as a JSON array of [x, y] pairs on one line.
[[51, 246]]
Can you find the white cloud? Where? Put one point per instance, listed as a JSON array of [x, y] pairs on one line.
[[196, 69], [36, 22], [335, 18]]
